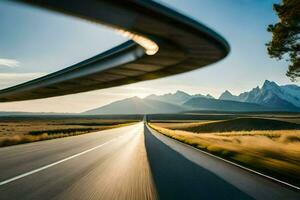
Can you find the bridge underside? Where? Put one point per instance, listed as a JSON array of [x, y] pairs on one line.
[[163, 43]]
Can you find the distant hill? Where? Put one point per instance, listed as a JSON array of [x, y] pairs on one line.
[[3, 113], [228, 96], [148, 105], [136, 105], [179, 97], [285, 97], [223, 105], [239, 124], [270, 97]]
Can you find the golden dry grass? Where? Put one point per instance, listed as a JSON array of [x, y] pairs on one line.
[[24, 131], [183, 125], [276, 153], [236, 124]]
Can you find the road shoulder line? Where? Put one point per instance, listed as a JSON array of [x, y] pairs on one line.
[[232, 163]]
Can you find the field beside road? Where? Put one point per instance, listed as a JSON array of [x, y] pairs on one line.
[[21, 130], [130, 162], [270, 146]]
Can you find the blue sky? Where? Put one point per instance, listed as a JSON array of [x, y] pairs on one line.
[[35, 42], [42, 42]]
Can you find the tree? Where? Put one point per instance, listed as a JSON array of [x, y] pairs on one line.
[[285, 41]]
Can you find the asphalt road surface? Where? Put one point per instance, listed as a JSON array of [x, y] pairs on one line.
[[131, 162]]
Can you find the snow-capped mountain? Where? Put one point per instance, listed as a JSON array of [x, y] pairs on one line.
[[292, 94], [270, 97], [270, 94]]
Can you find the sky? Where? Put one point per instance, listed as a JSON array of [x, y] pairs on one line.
[[35, 42]]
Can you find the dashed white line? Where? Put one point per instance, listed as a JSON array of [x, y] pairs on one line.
[[58, 162]]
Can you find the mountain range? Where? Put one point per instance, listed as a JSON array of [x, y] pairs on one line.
[[136, 105], [269, 97], [285, 97]]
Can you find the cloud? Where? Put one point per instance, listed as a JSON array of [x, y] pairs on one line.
[[9, 62], [10, 79], [20, 75]]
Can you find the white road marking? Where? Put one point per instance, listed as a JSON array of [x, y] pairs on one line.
[[60, 161]]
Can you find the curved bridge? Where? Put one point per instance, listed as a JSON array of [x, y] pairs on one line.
[[163, 42]]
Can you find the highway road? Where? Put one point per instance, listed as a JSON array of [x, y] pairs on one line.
[[131, 162]]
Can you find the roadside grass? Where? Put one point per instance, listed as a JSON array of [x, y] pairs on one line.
[[273, 152], [180, 125], [20, 132], [237, 124], [61, 131]]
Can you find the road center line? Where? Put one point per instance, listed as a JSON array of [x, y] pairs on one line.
[[59, 161]]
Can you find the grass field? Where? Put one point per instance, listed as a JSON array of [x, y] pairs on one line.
[[238, 124], [273, 152], [24, 130]]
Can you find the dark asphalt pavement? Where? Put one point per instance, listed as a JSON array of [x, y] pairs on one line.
[[131, 162]]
